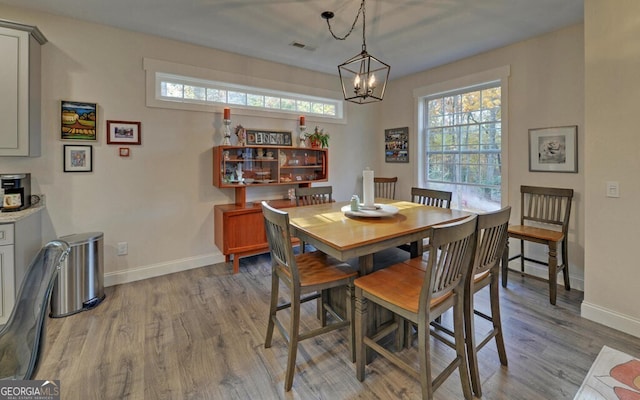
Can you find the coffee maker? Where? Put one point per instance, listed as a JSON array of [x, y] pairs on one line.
[[17, 191]]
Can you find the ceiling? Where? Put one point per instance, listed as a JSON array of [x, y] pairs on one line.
[[410, 35]]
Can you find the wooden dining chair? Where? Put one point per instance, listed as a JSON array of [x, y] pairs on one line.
[[385, 187], [420, 295], [491, 240], [428, 197], [306, 276], [544, 219], [306, 196], [431, 197]]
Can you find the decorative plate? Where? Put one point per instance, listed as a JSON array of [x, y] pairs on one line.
[[381, 210]]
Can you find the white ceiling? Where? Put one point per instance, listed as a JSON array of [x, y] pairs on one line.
[[410, 35]]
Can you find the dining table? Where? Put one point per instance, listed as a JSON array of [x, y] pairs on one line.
[[344, 235]]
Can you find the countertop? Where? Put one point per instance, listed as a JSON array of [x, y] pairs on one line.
[[15, 216]]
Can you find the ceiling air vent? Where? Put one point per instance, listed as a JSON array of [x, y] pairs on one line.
[[302, 46]]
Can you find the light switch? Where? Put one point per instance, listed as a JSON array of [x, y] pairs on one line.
[[613, 189]]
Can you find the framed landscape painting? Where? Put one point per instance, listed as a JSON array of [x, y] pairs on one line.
[[123, 132], [78, 120]]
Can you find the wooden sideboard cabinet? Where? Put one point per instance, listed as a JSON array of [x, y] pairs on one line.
[[239, 227]]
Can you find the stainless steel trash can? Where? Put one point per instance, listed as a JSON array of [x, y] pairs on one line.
[[80, 282]]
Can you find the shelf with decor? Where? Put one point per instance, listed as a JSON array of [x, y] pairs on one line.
[[240, 167], [238, 227]]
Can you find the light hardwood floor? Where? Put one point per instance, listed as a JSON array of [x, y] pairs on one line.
[[199, 334]]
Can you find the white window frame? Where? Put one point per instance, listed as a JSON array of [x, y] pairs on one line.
[[158, 71], [461, 84]]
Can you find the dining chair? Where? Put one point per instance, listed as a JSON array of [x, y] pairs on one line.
[[22, 337], [385, 187], [428, 197], [306, 196], [308, 276], [431, 197], [544, 219], [420, 295], [491, 241]]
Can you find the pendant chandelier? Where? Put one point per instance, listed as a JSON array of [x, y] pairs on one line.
[[363, 77]]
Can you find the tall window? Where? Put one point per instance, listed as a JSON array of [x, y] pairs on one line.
[[463, 145]]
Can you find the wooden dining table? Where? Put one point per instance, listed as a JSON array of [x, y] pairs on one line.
[[328, 229]]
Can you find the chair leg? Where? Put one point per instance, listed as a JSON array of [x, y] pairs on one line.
[[505, 265], [293, 340], [361, 305], [470, 341], [458, 329], [522, 255], [275, 283], [565, 262], [497, 321], [424, 357], [553, 272]]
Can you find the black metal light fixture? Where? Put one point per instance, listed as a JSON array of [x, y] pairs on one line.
[[363, 77]]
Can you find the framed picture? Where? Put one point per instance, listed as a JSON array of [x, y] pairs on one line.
[[78, 120], [78, 158], [396, 145], [553, 149], [123, 151], [123, 132], [268, 138]]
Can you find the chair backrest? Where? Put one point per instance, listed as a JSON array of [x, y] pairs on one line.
[[431, 197], [491, 240], [306, 196], [22, 337], [385, 187], [276, 224], [449, 259], [545, 205]]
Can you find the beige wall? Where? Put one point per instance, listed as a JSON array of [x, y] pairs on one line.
[[545, 89], [160, 200], [612, 85]]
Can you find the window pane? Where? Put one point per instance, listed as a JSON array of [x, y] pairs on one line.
[[288, 104], [303, 106], [237, 98], [271, 102], [255, 100], [194, 92], [216, 95], [329, 109], [463, 147], [316, 108], [172, 90]]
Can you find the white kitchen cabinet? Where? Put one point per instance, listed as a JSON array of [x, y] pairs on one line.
[[20, 85], [20, 241]]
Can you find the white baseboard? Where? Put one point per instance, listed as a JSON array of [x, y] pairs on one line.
[[151, 271], [541, 271], [610, 318]]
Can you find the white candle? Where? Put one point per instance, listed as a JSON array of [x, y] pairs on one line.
[[367, 186]]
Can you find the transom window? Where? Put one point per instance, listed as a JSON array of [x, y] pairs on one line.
[[176, 88], [463, 144]]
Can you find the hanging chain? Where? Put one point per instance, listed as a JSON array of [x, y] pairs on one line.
[[364, 19]]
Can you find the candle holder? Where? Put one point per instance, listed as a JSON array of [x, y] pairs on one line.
[[227, 132], [303, 136]]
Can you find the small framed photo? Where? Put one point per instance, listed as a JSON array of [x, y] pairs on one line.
[[124, 151], [553, 149], [78, 158], [78, 120], [123, 132]]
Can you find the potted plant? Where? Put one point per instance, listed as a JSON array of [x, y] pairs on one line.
[[318, 139]]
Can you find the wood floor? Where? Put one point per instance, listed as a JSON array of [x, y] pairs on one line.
[[199, 334]]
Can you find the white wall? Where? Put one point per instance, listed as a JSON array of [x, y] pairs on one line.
[[612, 65], [545, 90], [160, 200]]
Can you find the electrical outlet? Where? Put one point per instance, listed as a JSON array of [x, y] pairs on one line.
[[123, 248]]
